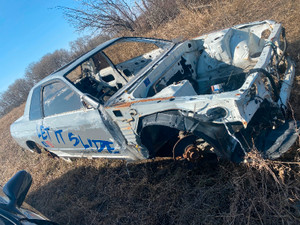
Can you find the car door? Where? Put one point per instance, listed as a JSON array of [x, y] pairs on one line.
[[70, 129]]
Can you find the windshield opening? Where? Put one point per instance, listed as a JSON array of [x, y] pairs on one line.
[[107, 71]]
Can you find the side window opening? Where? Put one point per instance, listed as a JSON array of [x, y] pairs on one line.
[[58, 98], [82, 78], [129, 57], [35, 111], [96, 77]]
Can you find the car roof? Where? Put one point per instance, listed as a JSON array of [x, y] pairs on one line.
[[68, 67], [59, 74]]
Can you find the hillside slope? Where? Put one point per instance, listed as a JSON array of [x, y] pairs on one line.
[[162, 191]]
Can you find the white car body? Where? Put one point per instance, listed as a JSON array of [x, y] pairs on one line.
[[168, 101]]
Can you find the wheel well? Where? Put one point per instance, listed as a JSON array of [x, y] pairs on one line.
[[159, 140], [33, 146], [162, 128], [30, 144]]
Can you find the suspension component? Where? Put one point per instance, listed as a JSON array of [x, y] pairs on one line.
[[186, 147]]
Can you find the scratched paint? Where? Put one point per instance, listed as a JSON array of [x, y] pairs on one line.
[[76, 140]]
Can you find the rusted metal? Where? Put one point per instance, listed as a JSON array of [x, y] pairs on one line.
[[192, 153], [186, 147], [128, 104]]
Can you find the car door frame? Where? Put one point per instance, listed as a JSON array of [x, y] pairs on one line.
[[76, 144]]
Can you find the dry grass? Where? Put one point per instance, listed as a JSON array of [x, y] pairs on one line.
[[163, 191]]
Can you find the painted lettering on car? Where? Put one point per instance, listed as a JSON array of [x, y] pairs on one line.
[[88, 144]]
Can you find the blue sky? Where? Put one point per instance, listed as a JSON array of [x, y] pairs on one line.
[[29, 29]]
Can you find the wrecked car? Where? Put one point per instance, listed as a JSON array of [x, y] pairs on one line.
[[136, 98]]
